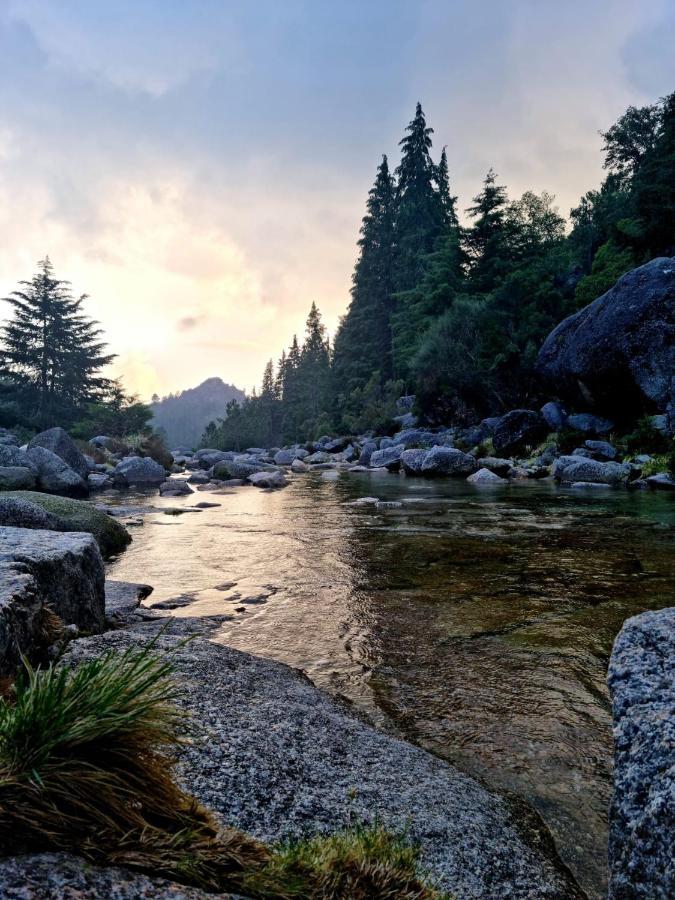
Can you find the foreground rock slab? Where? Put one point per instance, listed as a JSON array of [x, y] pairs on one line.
[[279, 758], [60, 876], [46, 568], [641, 679]]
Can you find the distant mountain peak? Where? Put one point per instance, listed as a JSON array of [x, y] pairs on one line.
[[184, 416]]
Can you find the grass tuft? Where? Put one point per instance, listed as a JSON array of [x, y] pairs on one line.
[[86, 766], [361, 863]]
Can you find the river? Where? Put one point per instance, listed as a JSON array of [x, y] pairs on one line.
[[476, 622]]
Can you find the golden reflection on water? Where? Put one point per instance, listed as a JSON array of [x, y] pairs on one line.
[[478, 623]]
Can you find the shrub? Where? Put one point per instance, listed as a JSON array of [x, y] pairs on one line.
[[645, 438]]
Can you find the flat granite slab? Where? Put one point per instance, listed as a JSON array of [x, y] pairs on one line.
[[276, 757]]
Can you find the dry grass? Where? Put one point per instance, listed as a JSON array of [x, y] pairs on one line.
[[86, 765]]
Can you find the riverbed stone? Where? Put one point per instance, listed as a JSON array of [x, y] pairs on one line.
[[228, 469], [16, 478], [366, 452], [576, 468], [46, 568], [485, 476], [13, 456], [441, 461], [496, 464], [54, 475], [298, 465], [174, 487], [271, 480], [413, 460], [389, 457], [278, 758], [554, 415], [283, 457], [518, 429], [601, 449], [663, 481], [589, 424], [59, 442], [641, 680], [140, 470]]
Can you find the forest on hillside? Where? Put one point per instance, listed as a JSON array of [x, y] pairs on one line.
[[453, 313]]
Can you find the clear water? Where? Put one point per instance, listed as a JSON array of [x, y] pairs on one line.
[[475, 621]]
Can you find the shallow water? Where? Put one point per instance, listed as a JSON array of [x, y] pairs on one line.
[[475, 621]]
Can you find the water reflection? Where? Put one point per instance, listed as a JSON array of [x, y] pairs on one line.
[[476, 622]]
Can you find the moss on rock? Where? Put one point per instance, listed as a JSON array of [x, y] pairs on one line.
[[78, 515]]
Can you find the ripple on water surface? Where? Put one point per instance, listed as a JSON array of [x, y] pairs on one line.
[[476, 622]]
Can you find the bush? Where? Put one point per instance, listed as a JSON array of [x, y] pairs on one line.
[[645, 438]]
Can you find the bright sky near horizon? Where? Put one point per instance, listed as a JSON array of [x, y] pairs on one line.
[[200, 168]]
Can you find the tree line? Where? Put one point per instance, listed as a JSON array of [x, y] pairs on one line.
[[456, 313]]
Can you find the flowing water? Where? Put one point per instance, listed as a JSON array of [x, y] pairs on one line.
[[476, 622]]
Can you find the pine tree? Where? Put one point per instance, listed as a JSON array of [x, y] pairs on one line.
[[363, 340], [420, 214], [52, 350], [448, 202], [486, 243], [313, 371]]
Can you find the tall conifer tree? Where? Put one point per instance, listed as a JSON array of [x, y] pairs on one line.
[[363, 340], [420, 216], [52, 350]]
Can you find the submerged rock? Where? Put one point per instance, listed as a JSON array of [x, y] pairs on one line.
[[641, 679]]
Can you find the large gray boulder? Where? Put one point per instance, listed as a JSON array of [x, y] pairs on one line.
[[59, 442], [413, 460], [389, 457], [618, 353], [16, 478], [54, 475], [518, 429], [270, 479], [46, 569], [366, 452], [571, 469], [13, 456], [227, 469], [641, 680], [138, 470], [448, 461], [284, 457]]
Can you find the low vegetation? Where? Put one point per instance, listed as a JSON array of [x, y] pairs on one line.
[[86, 766]]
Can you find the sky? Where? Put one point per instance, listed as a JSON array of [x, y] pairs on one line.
[[200, 168]]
